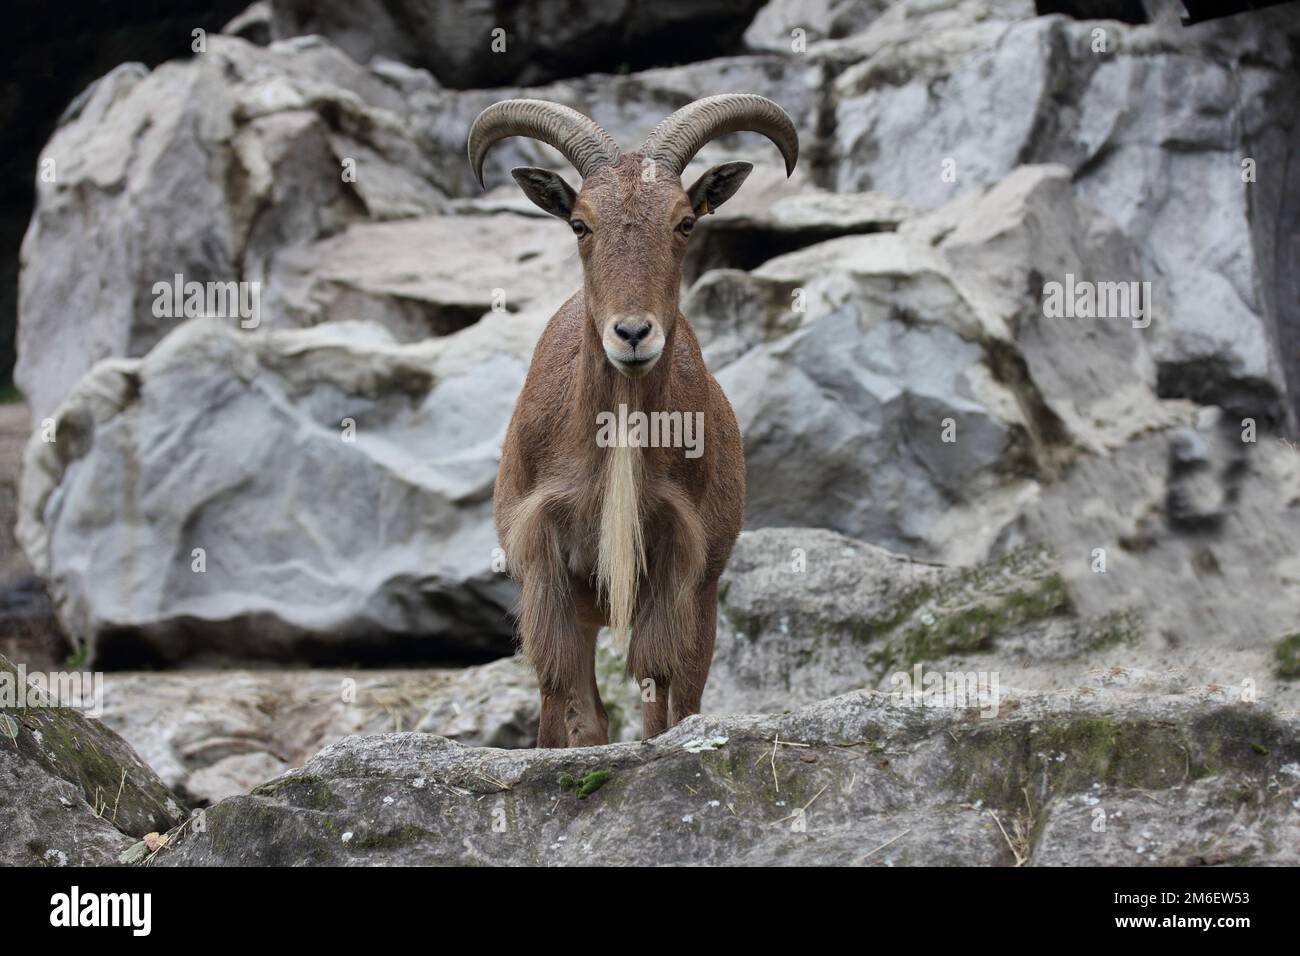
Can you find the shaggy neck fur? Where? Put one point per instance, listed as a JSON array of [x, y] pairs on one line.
[[621, 560]]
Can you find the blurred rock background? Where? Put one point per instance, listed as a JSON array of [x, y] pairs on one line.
[[968, 482]]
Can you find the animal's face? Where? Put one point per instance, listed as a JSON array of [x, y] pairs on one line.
[[632, 228], [632, 233]]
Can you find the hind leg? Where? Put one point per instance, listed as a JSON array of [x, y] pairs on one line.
[[551, 732]]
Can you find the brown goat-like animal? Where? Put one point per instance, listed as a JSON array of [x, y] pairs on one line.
[[607, 526]]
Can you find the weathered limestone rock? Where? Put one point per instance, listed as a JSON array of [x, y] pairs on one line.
[[861, 780], [208, 168], [316, 494]]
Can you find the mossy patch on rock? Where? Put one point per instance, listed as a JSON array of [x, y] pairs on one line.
[[998, 761], [1287, 654], [586, 785], [969, 612], [857, 614], [62, 741], [304, 790]]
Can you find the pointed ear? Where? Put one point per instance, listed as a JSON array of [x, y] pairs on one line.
[[546, 189], [717, 186]]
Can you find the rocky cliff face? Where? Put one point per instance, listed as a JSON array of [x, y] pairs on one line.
[[1013, 351]]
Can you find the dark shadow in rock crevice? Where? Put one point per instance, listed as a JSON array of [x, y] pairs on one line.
[[1211, 381], [1125, 11], [741, 244]]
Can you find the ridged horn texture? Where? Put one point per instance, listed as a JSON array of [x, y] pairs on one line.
[[577, 137], [676, 140]]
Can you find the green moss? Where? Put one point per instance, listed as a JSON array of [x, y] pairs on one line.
[[1235, 738], [587, 785], [89, 755], [997, 762], [962, 614], [390, 840], [591, 783], [909, 600], [1287, 654], [1114, 629], [274, 788], [970, 627], [238, 825], [305, 790]]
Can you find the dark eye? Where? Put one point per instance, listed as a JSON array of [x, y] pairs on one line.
[[579, 228], [686, 225]]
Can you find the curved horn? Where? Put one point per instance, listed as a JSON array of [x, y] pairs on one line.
[[583, 143], [677, 139]]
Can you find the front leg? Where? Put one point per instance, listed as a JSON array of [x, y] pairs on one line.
[[560, 646], [548, 634], [574, 715], [666, 632], [689, 680], [663, 635]]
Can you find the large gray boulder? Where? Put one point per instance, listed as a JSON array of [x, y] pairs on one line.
[[1157, 122], [72, 792], [209, 168], [905, 388], [428, 275], [321, 493], [862, 779], [806, 614], [1193, 524]]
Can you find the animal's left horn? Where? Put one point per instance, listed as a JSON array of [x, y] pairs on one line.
[[577, 137], [676, 140]]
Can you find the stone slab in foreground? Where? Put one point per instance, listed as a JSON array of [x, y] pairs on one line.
[[859, 779]]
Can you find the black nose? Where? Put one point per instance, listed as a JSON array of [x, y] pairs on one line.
[[632, 332]]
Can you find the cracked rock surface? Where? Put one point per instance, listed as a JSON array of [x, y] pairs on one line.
[[858, 779]]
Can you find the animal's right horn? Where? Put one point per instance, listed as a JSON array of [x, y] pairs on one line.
[[577, 137]]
